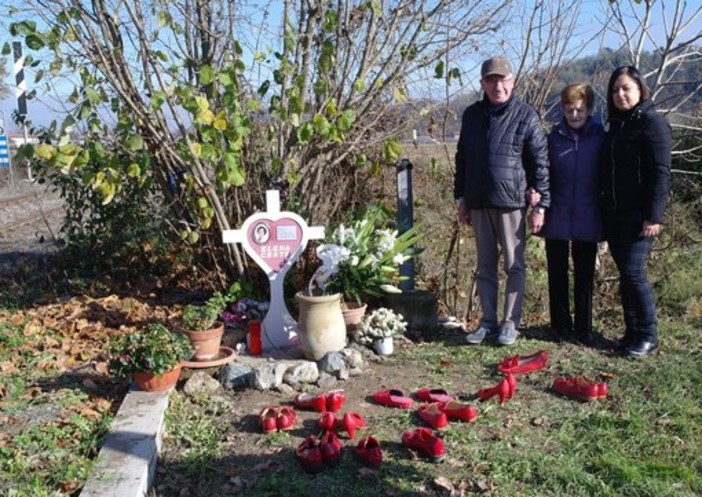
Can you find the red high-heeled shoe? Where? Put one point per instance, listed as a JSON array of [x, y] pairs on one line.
[[512, 382], [328, 421], [351, 421], [523, 364], [502, 389]]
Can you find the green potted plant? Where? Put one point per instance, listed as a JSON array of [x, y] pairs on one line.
[[151, 357], [203, 326]]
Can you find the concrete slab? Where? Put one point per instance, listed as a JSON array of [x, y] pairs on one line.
[[126, 464]]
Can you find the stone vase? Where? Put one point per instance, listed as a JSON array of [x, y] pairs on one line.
[[320, 326]]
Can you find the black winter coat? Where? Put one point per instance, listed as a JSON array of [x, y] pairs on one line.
[[501, 152], [635, 164]]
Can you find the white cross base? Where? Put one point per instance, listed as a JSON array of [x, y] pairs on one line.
[[275, 240]]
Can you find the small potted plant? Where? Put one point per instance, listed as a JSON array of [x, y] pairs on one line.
[[202, 325], [378, 328], [151, 357]]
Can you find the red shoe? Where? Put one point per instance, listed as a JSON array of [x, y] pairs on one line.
[[433, 395], [523, 364], [433, 416], [316, 402], [502, 389], [268, 419], [351, 421], [286, 418], [580, 387], [512, 383], [423, 440], [368, 450], [310, 455], [330, 447], [335, 399], [327, 421], [455, 410], [393, 398]]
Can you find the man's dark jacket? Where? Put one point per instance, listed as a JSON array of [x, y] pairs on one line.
[[635, 164], [501, 152]]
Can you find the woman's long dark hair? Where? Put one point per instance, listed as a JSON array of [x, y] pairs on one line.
[[634, 74]]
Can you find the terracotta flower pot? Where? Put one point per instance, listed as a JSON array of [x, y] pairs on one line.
[[206, 343], [321, 327], [353, 314], [149, 382]]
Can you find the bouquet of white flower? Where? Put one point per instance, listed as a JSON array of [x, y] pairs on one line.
[[363, 258], [379, 324]]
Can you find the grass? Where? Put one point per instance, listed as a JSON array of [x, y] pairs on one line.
[[641, 441]]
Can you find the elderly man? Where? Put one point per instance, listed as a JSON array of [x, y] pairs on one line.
[[502, 153]]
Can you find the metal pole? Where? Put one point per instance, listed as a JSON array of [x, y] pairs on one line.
[[21, 92], [405, 216]]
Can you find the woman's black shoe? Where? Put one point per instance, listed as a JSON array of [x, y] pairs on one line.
[[588, 338], [623, 342], [642, 348]]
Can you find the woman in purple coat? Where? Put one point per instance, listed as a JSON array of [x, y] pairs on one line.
[[573, 221]]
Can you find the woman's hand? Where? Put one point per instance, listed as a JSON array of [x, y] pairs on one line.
[[532, 197], [650, 229]]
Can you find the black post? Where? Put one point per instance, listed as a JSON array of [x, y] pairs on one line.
[[405, 216]]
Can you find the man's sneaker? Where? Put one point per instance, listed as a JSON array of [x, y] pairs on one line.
[[508, 334], [478, 335]]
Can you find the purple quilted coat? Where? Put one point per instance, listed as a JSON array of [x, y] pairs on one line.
[[574, 213]]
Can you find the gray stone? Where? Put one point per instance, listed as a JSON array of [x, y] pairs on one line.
[[326, 380], [235, 375], [301, 372], [286, 390], [353, 358], [332, 362], [201, 384], [269, 375]]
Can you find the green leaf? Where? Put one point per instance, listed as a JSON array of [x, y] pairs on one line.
[[34, 41], [439, 70], [6, 49], [135, 142], [392, 149], [207, 75], [305, 133]]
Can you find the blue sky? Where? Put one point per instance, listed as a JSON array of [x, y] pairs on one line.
[[44, 107]]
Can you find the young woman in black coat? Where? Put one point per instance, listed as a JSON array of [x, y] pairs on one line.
[[635, 184]]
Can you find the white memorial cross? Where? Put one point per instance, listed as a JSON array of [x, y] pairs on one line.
[[275, 240]]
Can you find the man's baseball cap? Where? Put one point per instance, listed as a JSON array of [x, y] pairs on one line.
[[495, 66]]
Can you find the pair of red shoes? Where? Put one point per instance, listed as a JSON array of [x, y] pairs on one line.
[[438, 414], [580, 387], [314, 454], [504, 389], [277, 418], [395, 398], [321, 402], [349, 422], [424, 441]]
